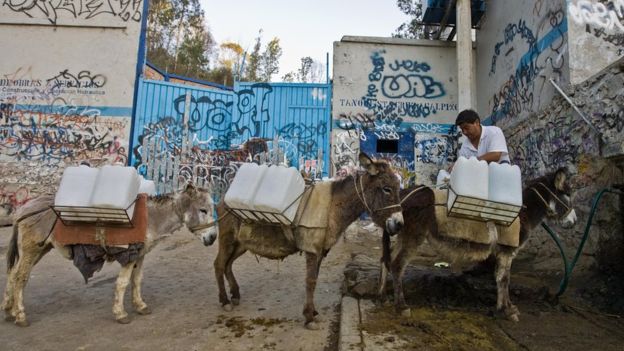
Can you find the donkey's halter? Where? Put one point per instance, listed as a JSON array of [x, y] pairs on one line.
[[199, 227], [363, 198], [551, 212]]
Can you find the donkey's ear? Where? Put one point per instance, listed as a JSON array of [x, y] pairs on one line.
[[368, 164], [189, 188], [560, 179]]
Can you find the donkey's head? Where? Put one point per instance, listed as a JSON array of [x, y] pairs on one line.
[[554, 191], [378, 189], [195, 207]]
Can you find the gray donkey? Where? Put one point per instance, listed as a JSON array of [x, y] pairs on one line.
[[30, 242]]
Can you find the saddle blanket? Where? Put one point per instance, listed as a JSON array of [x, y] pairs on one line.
[[472, 230], [86, 234]]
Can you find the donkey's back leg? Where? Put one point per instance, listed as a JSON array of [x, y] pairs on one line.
[[228, 252], [502, 274], [123, 279], [229, 274], [31, 253], [137, 299]]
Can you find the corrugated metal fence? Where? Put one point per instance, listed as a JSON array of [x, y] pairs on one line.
[[187, 133]]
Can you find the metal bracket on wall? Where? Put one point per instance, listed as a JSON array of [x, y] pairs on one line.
[[575, 107]]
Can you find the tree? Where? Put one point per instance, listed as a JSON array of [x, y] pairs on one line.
[[178, 39], [270, 60], [303, 73], [411, 29], [289, 77], [253, 62]]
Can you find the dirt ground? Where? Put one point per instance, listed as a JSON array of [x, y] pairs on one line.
[[180, 287], [449, 311]]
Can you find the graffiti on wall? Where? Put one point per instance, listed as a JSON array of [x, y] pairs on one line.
[[607, 15], [222, 122], [126, 10], [57, 120], [604, 20], [435, 149], [400, 79], [547, 44]]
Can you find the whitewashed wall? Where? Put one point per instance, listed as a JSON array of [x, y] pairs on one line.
[[67, 77], [390, 87]]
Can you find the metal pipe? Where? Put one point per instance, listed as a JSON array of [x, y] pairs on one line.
[[575, 107]]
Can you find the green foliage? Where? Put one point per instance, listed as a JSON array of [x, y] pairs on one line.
[[411, 29], [262, 65], [178, 40], [270, 60], [252, 71]]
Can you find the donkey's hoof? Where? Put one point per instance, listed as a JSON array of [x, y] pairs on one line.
[[123, 320], [144, 311], [228, 307], [406, 313], [22, 323], [312, 326], [235, 301], [318, 318]]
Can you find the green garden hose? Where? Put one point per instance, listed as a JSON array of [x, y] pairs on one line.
[[568, 267]]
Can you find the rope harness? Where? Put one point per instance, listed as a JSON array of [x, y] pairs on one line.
[[551, 212], [199, 227], [363, 197]]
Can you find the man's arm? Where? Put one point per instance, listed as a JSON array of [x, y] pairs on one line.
[[490, 156]]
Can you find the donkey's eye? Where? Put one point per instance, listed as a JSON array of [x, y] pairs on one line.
[[387, 190], [203, 211]]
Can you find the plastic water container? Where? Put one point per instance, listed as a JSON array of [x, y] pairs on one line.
[[243, 189], [76, 186], [505, 184], [279, 188], [443, 178], [470, 178], [116, 187], [147, 187]]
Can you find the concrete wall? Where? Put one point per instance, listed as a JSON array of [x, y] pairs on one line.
[[559, 137], [597, 29], [67, 79], [521, 44], [394, 89]]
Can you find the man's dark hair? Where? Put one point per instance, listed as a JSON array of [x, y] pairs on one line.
[[467, 116]]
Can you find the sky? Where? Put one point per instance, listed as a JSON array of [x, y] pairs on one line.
[[305, 28]]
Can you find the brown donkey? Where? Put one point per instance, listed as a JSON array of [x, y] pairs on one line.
[[548, 196], [376, 191]]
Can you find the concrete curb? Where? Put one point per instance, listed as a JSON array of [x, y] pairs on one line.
[[350, 319]]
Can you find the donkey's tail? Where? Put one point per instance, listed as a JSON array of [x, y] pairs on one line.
[[13, 253], [385, 253]]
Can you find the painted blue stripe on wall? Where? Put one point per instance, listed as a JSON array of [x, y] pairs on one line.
[[542, 44], [108, 111]]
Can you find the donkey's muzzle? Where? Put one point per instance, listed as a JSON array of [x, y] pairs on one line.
[[569, 220], [209, 236], [395, 223]]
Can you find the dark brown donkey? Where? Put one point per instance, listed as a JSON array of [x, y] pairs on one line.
[[376, 191], [548, 196]]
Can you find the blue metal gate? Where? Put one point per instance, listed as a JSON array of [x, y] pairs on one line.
[[297, 116]]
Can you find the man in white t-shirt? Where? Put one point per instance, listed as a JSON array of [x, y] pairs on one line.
[[486, 143]]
